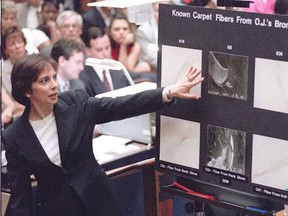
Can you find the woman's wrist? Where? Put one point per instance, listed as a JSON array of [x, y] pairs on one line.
[[168, 94]]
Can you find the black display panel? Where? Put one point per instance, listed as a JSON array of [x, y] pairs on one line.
[[236, 135]]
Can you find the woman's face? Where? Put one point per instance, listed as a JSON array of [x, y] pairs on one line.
[[119, 30], [49, 13], [15, 47], [44, 89], [9, 19]]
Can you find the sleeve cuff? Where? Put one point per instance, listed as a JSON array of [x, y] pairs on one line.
[[165, 94]]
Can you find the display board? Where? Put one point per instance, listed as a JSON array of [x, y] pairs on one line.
[[236, 135]]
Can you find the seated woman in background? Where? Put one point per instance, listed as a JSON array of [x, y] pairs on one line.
[[35, 39], [125, 48], [49, 13], [12, 48]]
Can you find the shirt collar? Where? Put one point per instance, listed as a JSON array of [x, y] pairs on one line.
[[62, 82], [99, 71]]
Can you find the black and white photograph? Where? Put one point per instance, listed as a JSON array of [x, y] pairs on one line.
[[180, 142], [270, 162], [228, 75], [271, 89], [226, 149]]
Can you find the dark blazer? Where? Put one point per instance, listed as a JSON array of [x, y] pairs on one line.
[[80, 183], [92, 18], [94, 85]]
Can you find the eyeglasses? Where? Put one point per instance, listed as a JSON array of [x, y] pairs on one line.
[[68, 26]]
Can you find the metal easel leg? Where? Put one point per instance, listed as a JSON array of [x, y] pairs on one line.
[[199, 208]]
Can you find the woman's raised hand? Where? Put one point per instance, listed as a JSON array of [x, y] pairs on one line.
[[182, 89]]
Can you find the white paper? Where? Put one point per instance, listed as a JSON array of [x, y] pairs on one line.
[[107, 148]]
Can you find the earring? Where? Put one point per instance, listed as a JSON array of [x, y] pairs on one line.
[[28, 95]]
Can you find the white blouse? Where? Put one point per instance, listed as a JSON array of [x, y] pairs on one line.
[[46, 132]]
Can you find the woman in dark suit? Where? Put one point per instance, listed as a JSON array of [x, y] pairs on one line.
[[52, 140]]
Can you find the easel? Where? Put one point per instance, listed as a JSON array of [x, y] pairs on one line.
[[199, 208], [229, 193]]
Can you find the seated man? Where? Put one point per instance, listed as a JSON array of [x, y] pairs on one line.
[[96, 79], [69, 25], [70, 57]]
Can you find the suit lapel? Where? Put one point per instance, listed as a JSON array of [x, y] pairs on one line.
[[115, 78], [65, 123], [29, 142], [96, 82], [118, 79], [76, 84]]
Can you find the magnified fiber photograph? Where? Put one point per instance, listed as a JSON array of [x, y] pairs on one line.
[[226, 149], [228, 75]]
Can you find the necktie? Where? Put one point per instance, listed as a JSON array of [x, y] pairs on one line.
[[105, 82]]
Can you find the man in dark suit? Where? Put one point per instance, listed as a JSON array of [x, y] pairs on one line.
[[97, 17], [96, 79], [92, 18], [70, 57]]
